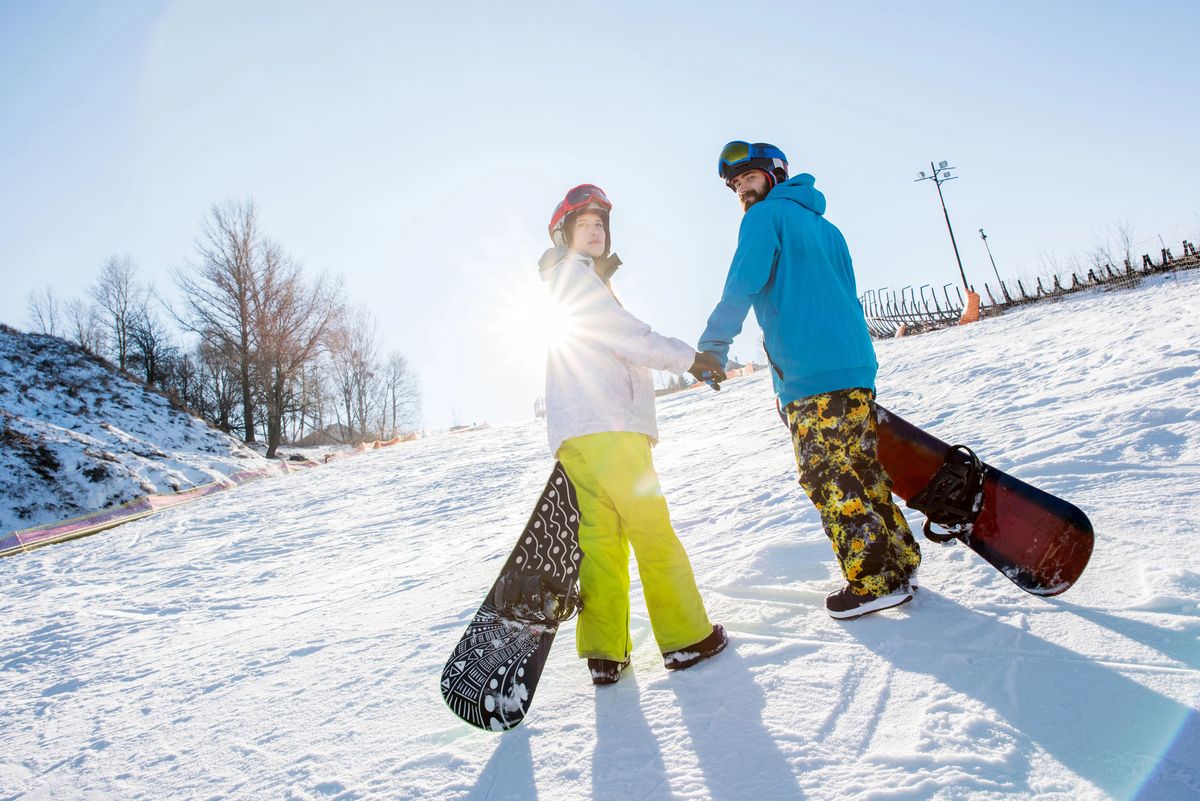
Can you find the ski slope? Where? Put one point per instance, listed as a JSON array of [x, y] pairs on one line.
[[285, 640]]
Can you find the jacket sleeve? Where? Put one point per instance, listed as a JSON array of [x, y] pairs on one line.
[[751, 270], [595, 315]]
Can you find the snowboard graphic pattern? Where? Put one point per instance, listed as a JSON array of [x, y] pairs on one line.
[[492, 674]]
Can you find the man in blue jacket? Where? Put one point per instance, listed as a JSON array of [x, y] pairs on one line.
[[792, 266]]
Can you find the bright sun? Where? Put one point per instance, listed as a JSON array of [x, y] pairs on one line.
[[531, 321], [523, 325]]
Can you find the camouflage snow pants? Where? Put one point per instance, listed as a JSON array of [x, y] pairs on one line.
[[836, 440]]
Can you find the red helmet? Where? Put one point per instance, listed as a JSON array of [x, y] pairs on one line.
[[585, 197]]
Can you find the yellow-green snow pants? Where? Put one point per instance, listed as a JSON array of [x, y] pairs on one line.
[[621, 504], [836, 438]]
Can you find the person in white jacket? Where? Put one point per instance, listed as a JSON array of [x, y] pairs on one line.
[[601, 424]]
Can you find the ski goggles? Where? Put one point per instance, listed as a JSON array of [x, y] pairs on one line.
[[738, 152], [732, 154], [581, 196]]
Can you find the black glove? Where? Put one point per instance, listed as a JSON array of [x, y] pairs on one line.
[[708, 368]]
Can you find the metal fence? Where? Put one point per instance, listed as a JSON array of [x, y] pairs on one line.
[[891, 312]]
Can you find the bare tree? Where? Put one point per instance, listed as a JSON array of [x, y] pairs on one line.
[[218, 291], [1113, 248], [1123, 232], [353, 348], [401, 404], [150, 344], [119, 301], [181, 380], [219, 390], [290, 326], [83, 325], [1049, 262], [1101, 253], [44, 311], [312, 398]]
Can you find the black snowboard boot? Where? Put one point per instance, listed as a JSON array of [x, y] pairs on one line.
[[845, 604], [606, 671], [711, 645]]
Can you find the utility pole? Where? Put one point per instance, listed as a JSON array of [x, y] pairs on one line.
[[989, 250], [941, 174]]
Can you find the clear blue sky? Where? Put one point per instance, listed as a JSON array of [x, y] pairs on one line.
[[418, 148]]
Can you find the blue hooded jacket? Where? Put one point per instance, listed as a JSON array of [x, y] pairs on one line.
[[793, 267]]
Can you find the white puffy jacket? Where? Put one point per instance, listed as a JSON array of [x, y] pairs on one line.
[[598, 378]]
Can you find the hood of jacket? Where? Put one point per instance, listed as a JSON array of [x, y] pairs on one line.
[[800, 189], [555, 256]]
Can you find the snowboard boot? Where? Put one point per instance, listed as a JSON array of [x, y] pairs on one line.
[[606, 671], [711, 645], [845, 604]]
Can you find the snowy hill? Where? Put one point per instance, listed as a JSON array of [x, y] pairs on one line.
[[76, 436], [285, 639]]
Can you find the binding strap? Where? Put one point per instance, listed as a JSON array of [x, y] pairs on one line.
[[953, 497], [532, 599]]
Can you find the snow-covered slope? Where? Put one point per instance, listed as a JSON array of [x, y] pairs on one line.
[[75, 436], [285, 640]]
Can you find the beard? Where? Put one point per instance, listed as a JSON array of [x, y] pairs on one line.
[[749, 199]]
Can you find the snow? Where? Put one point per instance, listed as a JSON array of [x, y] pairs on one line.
[[113, 439], [285, 639]]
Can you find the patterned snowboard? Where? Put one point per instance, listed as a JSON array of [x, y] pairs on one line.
[[1041, 542], [493, 672]]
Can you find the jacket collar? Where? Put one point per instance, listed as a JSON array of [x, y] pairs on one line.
[[605, 266]]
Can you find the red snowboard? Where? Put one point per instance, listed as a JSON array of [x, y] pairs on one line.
[[1039, 541]]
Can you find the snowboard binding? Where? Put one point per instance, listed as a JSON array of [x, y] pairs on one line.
[[533, 600], [954, 496]]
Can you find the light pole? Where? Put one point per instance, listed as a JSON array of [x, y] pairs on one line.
[[989, 250], [941, 174]]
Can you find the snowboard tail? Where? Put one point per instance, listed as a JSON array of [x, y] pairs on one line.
[[1039, 541], [491, 676]]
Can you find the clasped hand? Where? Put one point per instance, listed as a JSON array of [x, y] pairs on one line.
[[708, 368]]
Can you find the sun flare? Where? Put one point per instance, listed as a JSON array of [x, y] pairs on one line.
[[532, 322]]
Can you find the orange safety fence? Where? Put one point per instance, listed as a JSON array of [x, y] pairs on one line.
[[94, 522], [971, 312], [370, 445]]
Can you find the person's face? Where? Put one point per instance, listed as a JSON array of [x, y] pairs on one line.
[[587, 234], [751, 187]]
